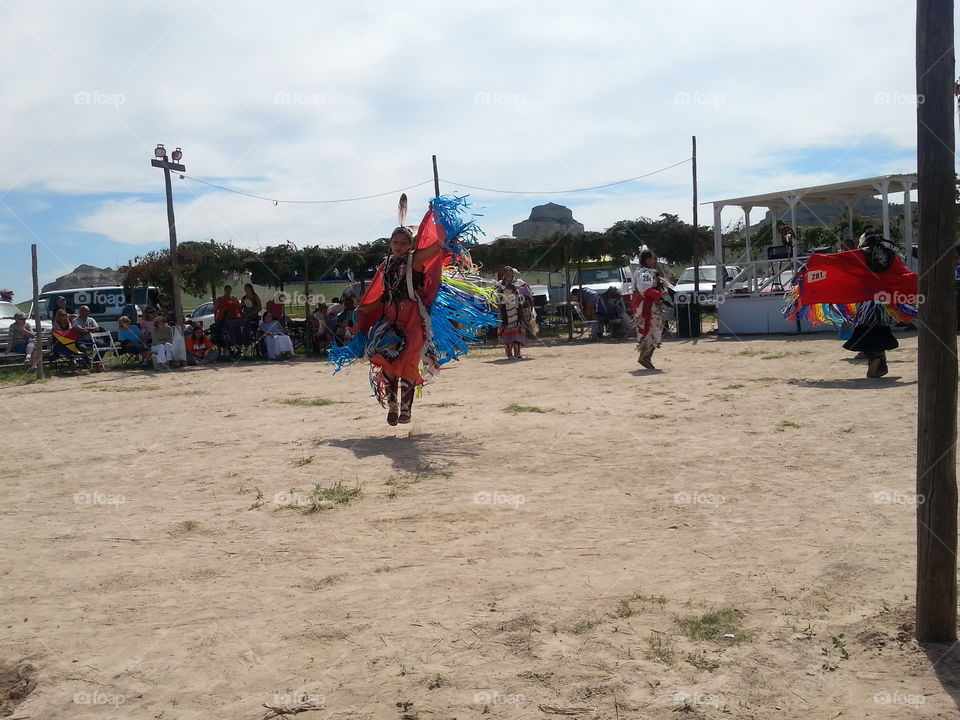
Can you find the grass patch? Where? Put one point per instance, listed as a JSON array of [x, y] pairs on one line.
[[651, 416], [514, 409], [308, 402], [436, 682], [659, 648], [323, 582], [624, 610], [184, 526], [735, 386], [322, 498], [722, 624], [647, 599], [442, 404], [702, 662], [535, 676], [301, 461], [584, 625], [784, 424], [774, 356], [131, 388]]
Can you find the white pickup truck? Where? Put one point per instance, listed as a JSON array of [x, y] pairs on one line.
[[597, 279]]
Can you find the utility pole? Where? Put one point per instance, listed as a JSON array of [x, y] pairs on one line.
[[161, 161], [937, 344], [307, 329], [696, 237], [695, 318], [436, 178], [37, 357]]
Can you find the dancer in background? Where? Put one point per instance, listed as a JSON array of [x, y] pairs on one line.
[[515, 304], [870, 288], [649, 290]]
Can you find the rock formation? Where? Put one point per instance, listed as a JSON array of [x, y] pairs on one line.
[[84, 276]]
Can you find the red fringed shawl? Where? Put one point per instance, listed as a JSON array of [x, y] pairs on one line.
[[845, 278], [429, 232]]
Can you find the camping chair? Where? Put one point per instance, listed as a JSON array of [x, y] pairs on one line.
[[64, 351], [237, 337], [102, 347]]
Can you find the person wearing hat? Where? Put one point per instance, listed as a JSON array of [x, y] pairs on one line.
[[21, 338], [61, 304]]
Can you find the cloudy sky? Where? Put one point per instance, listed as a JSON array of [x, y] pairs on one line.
[[324, 100]]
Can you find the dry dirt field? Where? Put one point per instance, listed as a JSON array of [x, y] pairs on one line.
[[730, 536]]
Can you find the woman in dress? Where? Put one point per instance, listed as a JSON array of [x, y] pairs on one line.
[[649, 290], [514, 302], [398, 341], [279, 345]]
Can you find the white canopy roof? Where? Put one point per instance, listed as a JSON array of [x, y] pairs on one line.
[[846, 192]]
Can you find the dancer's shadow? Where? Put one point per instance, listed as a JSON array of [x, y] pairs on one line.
[[413, 453], [860, 383], [640, 372], [508, 361]]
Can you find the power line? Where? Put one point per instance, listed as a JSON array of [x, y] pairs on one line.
[[561, 192], [277, 201]]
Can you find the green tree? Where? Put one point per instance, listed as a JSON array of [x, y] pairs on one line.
[[206, 265]]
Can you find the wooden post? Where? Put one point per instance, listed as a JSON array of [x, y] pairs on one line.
[[696, 233], [937, 353], [37, 357], [436, 178], [307, 330], [566, 273]]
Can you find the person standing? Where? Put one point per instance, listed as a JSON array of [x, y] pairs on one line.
[[649, 290], [514, 303], [226, 306], [250, 305]]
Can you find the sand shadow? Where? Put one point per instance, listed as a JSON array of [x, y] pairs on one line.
[[640, 372], [410, 453], [858, 383], [945, 662]]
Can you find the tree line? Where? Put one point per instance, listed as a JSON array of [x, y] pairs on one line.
[[206, 265]]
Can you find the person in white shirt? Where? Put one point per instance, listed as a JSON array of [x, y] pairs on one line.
[[650, 288], [85, 324]]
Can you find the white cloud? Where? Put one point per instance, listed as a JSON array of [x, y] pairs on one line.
[[298, 100]]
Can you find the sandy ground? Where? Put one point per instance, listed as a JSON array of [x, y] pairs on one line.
[[495, 561]]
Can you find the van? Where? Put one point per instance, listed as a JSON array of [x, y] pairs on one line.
[[106, 302]]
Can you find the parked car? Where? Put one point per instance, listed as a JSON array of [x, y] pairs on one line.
[[708, 282], [203, 314], [7, 311]]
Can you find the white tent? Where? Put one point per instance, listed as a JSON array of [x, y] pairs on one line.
[[756, 311]]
